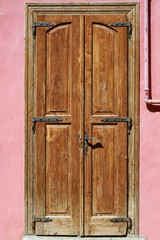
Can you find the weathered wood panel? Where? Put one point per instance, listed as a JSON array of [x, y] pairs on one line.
[[103, 69], [58, 84], [103, 161], [57, 169]]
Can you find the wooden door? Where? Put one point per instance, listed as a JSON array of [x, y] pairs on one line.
[[58, 94], [81, 78], [105, 97]]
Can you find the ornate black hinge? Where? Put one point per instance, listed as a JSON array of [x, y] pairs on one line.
[[123, 24], [40, 24], [45, 219], [114, 120], [118, 220], [43, 119]]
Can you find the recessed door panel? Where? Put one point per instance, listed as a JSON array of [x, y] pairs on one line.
[[59, 57], [103, 69], [58, 168], [103, 162]]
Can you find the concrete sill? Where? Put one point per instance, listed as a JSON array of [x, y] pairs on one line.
[[34, 237]]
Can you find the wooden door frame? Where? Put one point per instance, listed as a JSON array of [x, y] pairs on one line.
[[132, 12]]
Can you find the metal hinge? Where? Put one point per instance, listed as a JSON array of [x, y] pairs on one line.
[[45, 219], [40, 24], [43, 119], [127, 219], [128, 120], [123, 24]]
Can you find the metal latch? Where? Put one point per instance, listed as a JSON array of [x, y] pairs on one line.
[[40, 24], [43, 119], [123, 24], [128, 120], [127, 219], [45, 219]]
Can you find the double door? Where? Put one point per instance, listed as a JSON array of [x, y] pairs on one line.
[[80, 162]]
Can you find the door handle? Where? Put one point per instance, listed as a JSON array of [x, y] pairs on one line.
[[91, 138], [86, 138]]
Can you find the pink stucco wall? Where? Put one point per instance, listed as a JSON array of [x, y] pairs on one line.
[[12, 125]]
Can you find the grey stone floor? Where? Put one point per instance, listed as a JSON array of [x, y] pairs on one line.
[[33, 237]]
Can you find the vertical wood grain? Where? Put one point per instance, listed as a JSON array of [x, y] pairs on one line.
[[58, 91], [58, 83], [132, 11], [103, 170], [98, 176], [57, 169], [103, 82]]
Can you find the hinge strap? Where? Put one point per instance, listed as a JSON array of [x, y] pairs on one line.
[[114, 120], [123, 24], [118, 220], [45, 219], [43, 119], [40, 24]]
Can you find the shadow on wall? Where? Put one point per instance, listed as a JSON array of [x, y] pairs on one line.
[[151, 108]]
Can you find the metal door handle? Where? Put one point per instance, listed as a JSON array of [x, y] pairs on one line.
[[86, 143], [90, 138]]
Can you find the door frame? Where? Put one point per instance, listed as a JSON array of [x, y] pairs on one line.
[[131, 9]]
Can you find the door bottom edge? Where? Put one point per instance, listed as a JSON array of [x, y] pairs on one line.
[[34, 237]]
